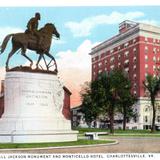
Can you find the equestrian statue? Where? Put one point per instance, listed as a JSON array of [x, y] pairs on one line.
[[33, 39]]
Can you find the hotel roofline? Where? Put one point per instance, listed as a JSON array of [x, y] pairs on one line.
[[131, 30]]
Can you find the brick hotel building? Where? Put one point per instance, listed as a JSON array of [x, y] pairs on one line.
[[135, 49]]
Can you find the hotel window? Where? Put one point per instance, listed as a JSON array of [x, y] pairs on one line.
[[158, 118], [112, 67], [154, 59], [126, 69], [119, 47], [135, 93], [100, 64], [146, 66], [146, 57], [126, 53], [134, 40], [135, 119], [154, 50], [146, 109], [126, 61], [119, 64], [154, 67], [134, 67], [146, 118], [105, 61], [134, 49], [94, 73], [146, 74], [135, 85], [134, 75], [100, 71], [119, 57], [112, 60], [146, 49], [158, 108], [94, 66], [126, 44], [111, 51], [134, 59]]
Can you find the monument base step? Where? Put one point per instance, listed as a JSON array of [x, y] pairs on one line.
[[37, 136]]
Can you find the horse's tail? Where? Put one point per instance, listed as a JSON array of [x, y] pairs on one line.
[[4, 43]]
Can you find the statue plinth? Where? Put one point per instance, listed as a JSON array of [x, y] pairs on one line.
[[33, 109], [29, 69]]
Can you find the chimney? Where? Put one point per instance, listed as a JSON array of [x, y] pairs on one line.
[[126, 25]]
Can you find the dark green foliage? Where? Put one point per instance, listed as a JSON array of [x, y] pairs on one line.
[[152, 84], [89, 107], [106, 95]]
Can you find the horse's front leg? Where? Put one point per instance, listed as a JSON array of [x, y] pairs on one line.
[[49, 55], [40, 56]]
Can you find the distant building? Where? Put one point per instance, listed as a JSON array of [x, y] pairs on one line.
[[77, 117], [135, 49]]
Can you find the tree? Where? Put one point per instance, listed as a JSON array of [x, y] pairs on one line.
[[152, 84], [105, 94], [89, 107], [121, 94], [126, 98], [126, 107], [118, 93]]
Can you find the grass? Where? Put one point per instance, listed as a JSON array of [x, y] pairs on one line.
[[133, 135], [118, 131], [83, 130], [55, 144]]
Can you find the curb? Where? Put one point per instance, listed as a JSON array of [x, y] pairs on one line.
[[61, 147]]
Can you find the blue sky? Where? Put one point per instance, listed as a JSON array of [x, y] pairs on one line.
[[62, 16], [80, 29]]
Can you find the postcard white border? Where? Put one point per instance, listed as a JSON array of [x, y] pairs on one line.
[[49, 3]]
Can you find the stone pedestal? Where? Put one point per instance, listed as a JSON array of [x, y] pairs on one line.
[[33, 109]]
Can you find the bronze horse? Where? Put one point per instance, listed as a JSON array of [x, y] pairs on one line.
[[26, 41]]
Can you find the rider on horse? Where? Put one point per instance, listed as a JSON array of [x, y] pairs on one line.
[[32, 27]]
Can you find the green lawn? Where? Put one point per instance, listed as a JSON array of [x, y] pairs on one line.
[[131, 135], [141, 132], [55, 144]]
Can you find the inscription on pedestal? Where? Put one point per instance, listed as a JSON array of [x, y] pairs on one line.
[[36, 97]]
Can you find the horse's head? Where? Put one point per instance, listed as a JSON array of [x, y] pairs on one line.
[[53, 29]]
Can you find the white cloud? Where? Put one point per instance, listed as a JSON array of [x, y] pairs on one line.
[[83, 28], [4, 31], [76, 59]]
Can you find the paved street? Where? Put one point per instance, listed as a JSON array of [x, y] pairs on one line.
[[126, 145]]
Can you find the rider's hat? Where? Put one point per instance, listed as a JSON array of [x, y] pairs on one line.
[[37, 14]]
